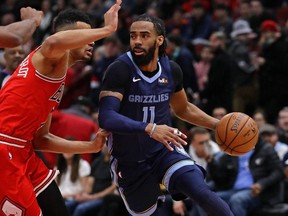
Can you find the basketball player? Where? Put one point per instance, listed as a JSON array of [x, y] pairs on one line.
[[138, 90], [20, 32], [26, 102]]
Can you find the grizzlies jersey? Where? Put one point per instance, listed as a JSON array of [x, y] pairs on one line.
[[27, 99], [145, 99]]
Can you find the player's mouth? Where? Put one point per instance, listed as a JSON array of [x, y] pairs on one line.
[[138, 51], [89, 51]]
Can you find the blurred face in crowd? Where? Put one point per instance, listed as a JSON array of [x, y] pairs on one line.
[[283, 119], [259, 119], [206, 54], [271, 138], [219, 112], [245, 10], [256, 8], [200, 143], [13, 57], [217, 40]]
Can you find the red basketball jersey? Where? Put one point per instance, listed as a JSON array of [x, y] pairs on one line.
[[27, 99]]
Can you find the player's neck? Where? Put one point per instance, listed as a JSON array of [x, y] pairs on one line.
[[151, 67]]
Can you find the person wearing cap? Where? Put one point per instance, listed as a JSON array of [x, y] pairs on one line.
[[269, 133], [244, 83], [273, 71]]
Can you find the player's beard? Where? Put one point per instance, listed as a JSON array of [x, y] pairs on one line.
[[146, 58]]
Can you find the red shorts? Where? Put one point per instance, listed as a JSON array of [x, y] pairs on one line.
[[23, 177]]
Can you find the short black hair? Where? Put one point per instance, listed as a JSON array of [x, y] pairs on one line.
[[159, 27], [70, 16]]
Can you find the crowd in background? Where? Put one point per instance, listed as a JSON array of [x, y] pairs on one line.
[[234, 57]]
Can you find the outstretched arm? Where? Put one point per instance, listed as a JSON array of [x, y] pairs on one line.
[[191, 113], [55, 46], [45, 141], [20, 32]]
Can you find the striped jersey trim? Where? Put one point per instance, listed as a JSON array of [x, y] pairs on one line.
[[44, 184], [49, 79]]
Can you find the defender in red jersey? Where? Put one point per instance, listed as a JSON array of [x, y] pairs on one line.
[[26, 103]]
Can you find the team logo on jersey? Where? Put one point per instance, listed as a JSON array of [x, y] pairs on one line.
[[163, 80], [11, 209], [58, 94]]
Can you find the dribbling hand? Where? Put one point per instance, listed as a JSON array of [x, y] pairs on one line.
[[31, 13], [167, 135]]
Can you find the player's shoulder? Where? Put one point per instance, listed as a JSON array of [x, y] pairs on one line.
[[118, 65], [175, 68], [174, 65]]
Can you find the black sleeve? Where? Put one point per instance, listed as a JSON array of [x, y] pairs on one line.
[[116, 77], [177, 75]]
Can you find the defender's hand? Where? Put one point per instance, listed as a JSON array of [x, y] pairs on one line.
[[111, 16], [31, 13], [100, 139]]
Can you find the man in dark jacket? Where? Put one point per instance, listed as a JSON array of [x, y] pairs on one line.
[[266, 171]]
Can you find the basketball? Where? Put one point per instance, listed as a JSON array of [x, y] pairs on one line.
[[236, 133]]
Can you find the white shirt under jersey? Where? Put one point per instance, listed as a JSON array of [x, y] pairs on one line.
[[67, 187]]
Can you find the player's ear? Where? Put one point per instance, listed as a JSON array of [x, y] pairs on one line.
[[160, 40]]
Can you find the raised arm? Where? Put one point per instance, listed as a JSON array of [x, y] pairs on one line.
[[55, 45], [20, 32]]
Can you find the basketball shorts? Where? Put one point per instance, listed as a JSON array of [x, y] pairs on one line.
[[139, 182], [23, 177]]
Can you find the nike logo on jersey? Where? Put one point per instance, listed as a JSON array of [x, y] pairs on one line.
[[135, 80]]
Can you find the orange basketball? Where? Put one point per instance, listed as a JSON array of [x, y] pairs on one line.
[[236, 133]]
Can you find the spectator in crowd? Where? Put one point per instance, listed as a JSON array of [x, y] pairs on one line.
[[98, 186], [258, 15], [282, 125], [270, 135], [73, 177], [244, 12], [218, 90], [183, 56], [178, 23], [82, 107], [259, 117], [200, 22], [257, 180], [244, 83], [219, 112], [13, 57], [222, 20], [112, 48], [45, 27], [202, 67], [273, 73]]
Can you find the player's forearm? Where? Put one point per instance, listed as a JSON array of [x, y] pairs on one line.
[[72, 39], [17, 33], [111, 120], [196, 116], [52, 143]]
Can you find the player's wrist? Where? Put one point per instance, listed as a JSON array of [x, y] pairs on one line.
[[150, 128]]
